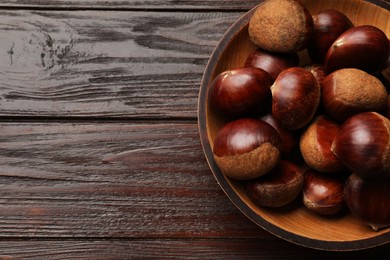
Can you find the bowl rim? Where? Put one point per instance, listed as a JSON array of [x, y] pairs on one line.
[[222, 181]]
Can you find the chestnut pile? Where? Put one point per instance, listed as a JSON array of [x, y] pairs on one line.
[[320, 131]]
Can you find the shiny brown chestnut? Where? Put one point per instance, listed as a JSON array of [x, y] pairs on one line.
[[363, 145], [363, 47], [346, 92], [369, 200], [246, 148], [277, 188], [282, 26], [273, 63], [290, 139], [315, 144], [240, 92], [295, 97], [323, 193], [329, 24]]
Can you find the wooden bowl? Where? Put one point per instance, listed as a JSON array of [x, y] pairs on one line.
[[293, 223]]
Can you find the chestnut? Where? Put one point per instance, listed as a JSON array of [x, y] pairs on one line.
[[329, 24], [363, 145], [282, 26], [369, 200], [315, 144], [289, 138], [295, 97], [363, 47], [277, 188], [323, 194], [350, 91], [240, 92], [246, 148], [273, 63]]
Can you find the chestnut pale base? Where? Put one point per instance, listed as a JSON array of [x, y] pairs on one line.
[[293, 223]]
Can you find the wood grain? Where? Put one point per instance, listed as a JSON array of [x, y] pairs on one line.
[[157, 5], [132, 4], [105, 64], [230, 248], [111, 180]]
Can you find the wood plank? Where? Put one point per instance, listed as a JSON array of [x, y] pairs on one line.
[[105, 64], [132, 4], [270, 248], [158, 5], [111, 180]]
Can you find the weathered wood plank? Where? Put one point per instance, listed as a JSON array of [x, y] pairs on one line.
[[111, 180], [210, 5], [262, 248], [132, 4], [105, 64]]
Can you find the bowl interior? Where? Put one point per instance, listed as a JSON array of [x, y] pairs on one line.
[[293, 223]]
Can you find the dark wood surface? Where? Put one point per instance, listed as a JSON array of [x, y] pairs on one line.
[[231, 5], [100, 155]]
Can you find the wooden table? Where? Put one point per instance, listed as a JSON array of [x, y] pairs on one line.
[[99, 148]]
